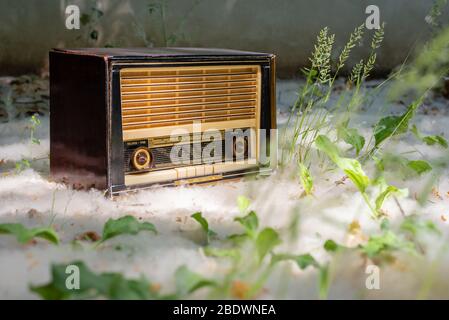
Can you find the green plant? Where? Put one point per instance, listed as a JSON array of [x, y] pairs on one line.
[[386, 243], [188, 282], [309, 114], [24, 235], [306, 179], [21, 165], [92, 285], [204, 225], [124, 225], [427, 70], [353, 169], [429, 140], [34, 123], [390, 126], [113, 285], [248, 273]]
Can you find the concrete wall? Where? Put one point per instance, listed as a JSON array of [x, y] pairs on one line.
[[28, 28]]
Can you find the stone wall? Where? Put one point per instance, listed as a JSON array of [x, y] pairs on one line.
[[28, 28]]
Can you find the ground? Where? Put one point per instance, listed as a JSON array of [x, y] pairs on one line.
[[29, 198]]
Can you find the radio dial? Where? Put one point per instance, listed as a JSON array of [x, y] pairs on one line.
[[141, 158]]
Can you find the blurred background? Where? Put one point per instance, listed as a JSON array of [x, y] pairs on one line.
[[288, 28]]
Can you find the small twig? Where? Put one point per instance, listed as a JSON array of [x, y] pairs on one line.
[[399, 206]]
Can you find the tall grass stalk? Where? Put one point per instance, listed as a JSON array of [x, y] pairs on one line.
[[309, 114]]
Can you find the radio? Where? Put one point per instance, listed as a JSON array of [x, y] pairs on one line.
[[124, 119]]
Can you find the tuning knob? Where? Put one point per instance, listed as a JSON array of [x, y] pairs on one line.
[[240, 147], [141, 158]]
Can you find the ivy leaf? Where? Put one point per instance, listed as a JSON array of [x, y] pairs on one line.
[[394, 125], [419, 166], [351, 136], [24, 235], [243, 203], [250, 222], [204, 225], [125, 225], [306, 179], [351, 167], [188, 281], [266, 240]]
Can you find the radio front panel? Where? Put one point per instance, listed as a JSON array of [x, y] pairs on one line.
[[188, 121]]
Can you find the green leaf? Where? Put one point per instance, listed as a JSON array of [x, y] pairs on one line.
[[306, 260], [303, 261], [351, 167], [125, 225], [355, 173], [92, 285], [324, 144], [387, 242], [306, 179], [439, 140], [331, 246], [385, 225], [35, 121], [250, 222], [204, 225], [24, 235], [386, 192], [221, 253], [351, 136], [413, 225], [266, 241], [429, 140], [394, 125], [188, 281], [239, 239], [243, 203], [419, 166]]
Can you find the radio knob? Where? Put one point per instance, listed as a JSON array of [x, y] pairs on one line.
[[141, 158], [240, 147]]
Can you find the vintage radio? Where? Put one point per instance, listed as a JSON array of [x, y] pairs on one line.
[[129, 118]]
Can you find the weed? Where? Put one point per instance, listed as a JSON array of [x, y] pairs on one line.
[[124, 225], [25, 235], [204, 225]]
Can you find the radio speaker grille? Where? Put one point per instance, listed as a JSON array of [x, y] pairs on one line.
[[170, 96]]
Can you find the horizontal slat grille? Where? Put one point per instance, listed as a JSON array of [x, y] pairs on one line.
[[156, 97]]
